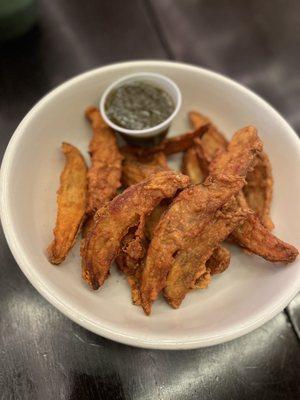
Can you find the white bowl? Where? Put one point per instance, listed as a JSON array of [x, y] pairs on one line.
[[156, 79], [248, 294]]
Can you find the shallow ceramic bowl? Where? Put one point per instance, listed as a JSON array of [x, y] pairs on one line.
[[247, 295]]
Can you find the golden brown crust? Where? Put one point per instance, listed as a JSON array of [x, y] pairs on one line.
[[135, 244], [198, 251], [136, 169], [217, 263], [105, 172], [219, 260], [196, 165], [117, 217], [255, 238], [202, 281], [196, 160], [71, 204], [259, 189], [251, 235], [213, 140], [192, 210], [130, 260], [192, 166], [169, 146]]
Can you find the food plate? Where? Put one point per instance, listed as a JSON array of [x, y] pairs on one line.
[[247, 295]]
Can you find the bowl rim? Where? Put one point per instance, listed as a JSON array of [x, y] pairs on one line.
[[154, 130], [236, 331]]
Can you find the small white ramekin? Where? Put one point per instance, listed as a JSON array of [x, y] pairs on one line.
[[158, 80]]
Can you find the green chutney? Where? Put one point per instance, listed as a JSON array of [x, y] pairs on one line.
[[138, 105]]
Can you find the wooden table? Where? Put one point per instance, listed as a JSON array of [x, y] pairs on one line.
[[43, 354]]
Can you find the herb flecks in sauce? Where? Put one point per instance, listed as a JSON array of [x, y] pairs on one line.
[[138, 105]]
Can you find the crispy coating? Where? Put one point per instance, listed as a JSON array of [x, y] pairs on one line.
[[219, 260], [153, 219], [134, 245], [213, 140], [203, 281], [135, 170], [134, 282], [259, 189], [193, 167], [87, 226], [192, 210], [252, 235], [169, 146], [217, 263], [198, 250], [196, 165], [130, 259], [133, 249], [131, 263], [71, 204], [114, 220], [257, 239], [105, 172], [197, 158]]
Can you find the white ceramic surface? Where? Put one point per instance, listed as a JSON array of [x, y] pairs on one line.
[[158, 80], [248, 294]]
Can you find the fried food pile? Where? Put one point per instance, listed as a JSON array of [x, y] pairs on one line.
[[166, 229]]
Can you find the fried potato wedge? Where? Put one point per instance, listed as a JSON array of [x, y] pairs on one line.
[[219, 260], [255, 238], [134, 245], [197, 159], [212, 140], [192, 210], [259, 189], [203, 281], [217, 263], [169, 146], [193, 166], [104, 174], [252, 235], [114, 220], [130, 260], [71, 204], [198, 251], [136, 169]]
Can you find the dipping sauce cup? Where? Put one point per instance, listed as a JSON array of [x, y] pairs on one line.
[[149, 135]]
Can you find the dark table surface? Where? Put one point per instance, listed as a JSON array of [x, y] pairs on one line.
[[43, 354]]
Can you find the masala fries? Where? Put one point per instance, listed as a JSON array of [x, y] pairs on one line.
[[189, 213], [196, 252], [104, 174], [248, 235], [165, 230], [125, 211], [259, 189], [193, 166], [71, 204]]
